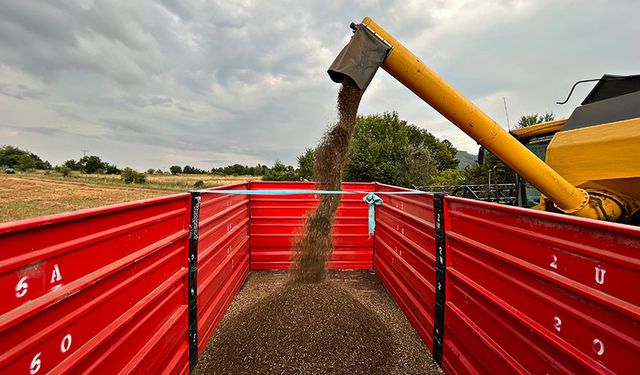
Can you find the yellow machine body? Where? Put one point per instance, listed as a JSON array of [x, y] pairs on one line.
[[538, 130], [602, 157]]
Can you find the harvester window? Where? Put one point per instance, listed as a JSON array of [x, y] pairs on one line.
[[539, 148]]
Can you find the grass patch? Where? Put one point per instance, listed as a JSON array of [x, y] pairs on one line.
[[26, 195], [163, 182]]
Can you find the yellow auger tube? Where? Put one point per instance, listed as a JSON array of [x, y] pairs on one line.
[[424, 82]]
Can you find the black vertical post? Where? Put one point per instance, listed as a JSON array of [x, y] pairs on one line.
[[438, 326], [193, 279]]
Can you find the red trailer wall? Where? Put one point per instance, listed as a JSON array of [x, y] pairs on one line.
[[525, 291], [405, 255], [276, 220], [96, 289], [530, 291], [108, 287], [223, 256]]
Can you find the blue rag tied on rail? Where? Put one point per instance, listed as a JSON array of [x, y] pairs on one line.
[[372, 200]]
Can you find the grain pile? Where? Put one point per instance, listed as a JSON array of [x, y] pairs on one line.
[[311, 251], [347, 324]]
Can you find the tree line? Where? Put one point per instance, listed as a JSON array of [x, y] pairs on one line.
[[384, 148]]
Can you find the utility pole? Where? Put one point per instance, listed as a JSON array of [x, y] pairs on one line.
[[504, 100], [84, 152]]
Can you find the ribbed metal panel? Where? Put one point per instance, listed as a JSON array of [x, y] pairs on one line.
[[277, 220], [96, 289], [536, 292], [405, 255], [223, 256], [525, 291]]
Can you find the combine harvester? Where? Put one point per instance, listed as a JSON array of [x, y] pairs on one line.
[[597, 148], [141, 287]]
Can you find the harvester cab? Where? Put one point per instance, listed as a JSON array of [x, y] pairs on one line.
[[591, 164], [597, 146]]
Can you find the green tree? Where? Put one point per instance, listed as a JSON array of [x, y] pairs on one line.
[[11, 156], [478, 174], [281, 172], [236, 170], [91, 164], [421, 165], [443, 152], [175, 169], [71, 164], [385, 148], [533, 119], [111, 169], [449, 177], [379, 150], [24, 162], [241, 170], [306, 161], [192, 170], [260, 170]]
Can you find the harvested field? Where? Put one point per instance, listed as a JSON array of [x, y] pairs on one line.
[[25, 197], [180, 182], [347, 324]]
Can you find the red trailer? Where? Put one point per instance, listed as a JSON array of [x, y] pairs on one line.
[[141, 286]]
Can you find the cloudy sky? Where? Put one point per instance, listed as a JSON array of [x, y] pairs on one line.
[[210, 83]]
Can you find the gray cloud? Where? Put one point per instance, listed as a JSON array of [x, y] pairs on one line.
[[40, 130], [21, 91], [208, 83]]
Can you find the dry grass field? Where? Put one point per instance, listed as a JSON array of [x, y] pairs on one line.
[[27, 195]]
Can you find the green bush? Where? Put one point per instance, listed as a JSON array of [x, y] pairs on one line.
[[64, 171], [199, 184], [130, 176], [111, 169]]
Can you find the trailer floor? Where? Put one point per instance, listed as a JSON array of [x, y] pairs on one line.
[[349, 325]]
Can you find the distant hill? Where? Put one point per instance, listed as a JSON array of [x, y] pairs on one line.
[[465, 158]]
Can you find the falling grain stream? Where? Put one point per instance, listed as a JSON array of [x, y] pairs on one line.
[[311, 251]]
